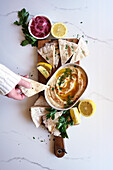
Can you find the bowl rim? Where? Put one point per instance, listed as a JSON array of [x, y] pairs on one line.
[[54, 75], [42, 15]]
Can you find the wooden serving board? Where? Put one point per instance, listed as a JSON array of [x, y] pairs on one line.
[[41, 43], [59, 149]]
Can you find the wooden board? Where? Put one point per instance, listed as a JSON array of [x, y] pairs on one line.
[[59, 149], [41, 43]]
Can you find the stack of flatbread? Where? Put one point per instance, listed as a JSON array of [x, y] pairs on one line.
[[38, 115], [52, 52]]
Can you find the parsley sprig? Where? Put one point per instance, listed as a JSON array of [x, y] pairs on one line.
[[51, 114], [63, 123], [23, 21]]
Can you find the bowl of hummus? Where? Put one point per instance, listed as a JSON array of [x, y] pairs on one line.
[[66, 86]]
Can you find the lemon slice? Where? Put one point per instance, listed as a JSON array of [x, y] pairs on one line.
[[59, 30], [87, 107], [43, 71], [47, 66], [75, 115]]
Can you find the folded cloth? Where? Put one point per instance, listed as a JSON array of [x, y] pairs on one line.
[[8, 80]]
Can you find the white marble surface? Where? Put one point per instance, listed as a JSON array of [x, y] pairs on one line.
[[90, 145]]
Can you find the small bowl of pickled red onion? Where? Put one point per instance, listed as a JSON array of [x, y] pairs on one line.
[[40, 27]]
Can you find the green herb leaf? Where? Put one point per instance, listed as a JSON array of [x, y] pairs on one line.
[[77, 36], [86, 41], [23, 17], [53, 88], [61, 119], [16, 23], [82, 36], [51, 114], [24, 42], [47, 58], [66, 46], [50, 109]]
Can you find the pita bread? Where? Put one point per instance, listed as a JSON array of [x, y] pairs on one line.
[[56, 56], [51, 124], [41, 102], [83, 46], [36, 87], [81, 52], [48, 52], [36, 114], [67, 49], [78, 55]]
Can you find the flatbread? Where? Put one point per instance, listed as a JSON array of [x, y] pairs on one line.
[[81, 52], [56, 56], [36, 87], [78, 55], [51, 124], [67, 49], [36, 113], [83, 46], [41, 102], [48, 52]]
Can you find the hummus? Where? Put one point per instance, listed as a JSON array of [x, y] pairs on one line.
[[66, 86]]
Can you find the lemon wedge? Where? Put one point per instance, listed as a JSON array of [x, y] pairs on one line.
[[43, 71], [47, 66], [75, 115], [59, 30], [87, 107]]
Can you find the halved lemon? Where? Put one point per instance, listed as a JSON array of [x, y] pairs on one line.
[[43, 71], [87, 107], [59, 30], [75, 115], [47, 66]]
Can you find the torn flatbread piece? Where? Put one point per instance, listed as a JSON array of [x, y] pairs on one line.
[[36, 113], [51, 124], [78, 55], [83, 46], [81, 52], [56, 56], [67, 49], [35, 89], [41, 102], [48, 52]]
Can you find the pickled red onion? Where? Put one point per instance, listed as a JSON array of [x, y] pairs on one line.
[[40, 26]]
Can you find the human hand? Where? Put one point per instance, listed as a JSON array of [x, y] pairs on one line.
[[16, 92]]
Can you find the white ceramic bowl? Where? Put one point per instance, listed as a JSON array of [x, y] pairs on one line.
[[45, 92], [29, 26]]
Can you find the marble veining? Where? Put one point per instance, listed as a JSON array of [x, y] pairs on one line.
[[15, 133], [25, 159], [66, 22], [100, 96]]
